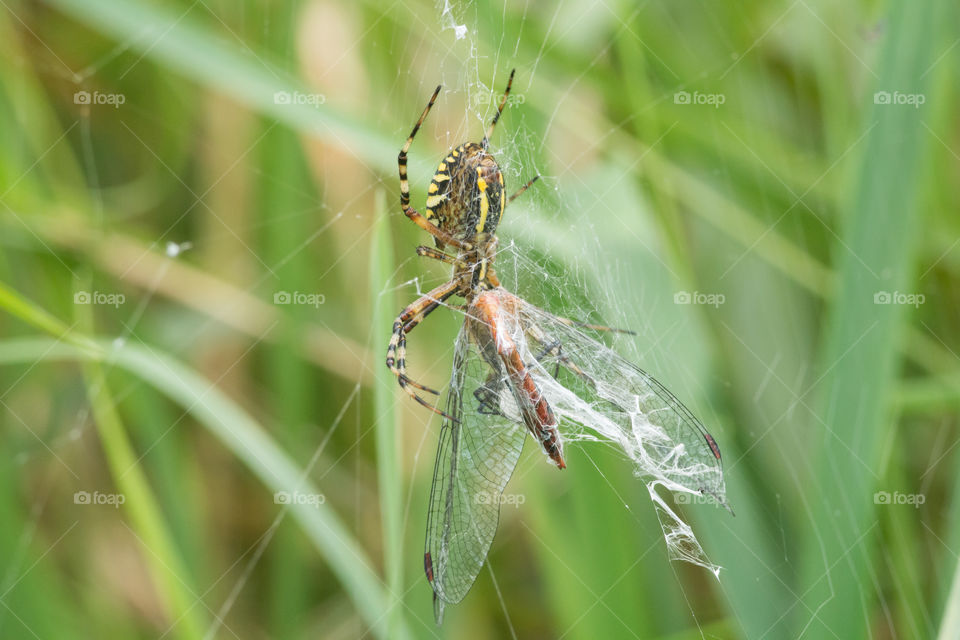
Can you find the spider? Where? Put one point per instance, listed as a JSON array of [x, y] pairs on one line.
[[464, 206], [503, 357]]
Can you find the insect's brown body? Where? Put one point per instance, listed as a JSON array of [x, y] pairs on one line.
[[500, 352]]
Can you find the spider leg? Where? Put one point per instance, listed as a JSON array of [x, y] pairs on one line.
[[408, 319], [444, 236], [434, 254], [496, 116], [595, 327], [486, 396], [550, 346], [522, 189], [547, 350], [403, 378]]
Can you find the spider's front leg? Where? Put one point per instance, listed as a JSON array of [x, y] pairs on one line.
[[408, 319], [442, 235]]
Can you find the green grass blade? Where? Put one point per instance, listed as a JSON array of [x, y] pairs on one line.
[[228, 422], [292, 380], [149, 524], [389, 444], [246, 439], [177, 41], [161, 554], [20, 307], [859, 357], [950, 623], [216, 63]]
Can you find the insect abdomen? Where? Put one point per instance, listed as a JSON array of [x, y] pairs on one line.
[[492, 335]]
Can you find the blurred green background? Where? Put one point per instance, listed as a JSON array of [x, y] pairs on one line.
[[204, 252]]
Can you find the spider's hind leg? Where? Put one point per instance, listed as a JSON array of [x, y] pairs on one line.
[[548, 350], [594, 327], [408, 319], [554, 346], [486, 395]]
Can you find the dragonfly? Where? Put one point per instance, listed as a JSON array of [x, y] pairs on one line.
[[519, 371]]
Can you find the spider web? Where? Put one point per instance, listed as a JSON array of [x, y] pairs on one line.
[[568, 245], [555, 238], [659, 438], [561, 232]]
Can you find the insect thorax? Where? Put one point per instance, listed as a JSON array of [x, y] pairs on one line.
[[465, 196]]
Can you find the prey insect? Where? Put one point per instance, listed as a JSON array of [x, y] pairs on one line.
[[519, 370]]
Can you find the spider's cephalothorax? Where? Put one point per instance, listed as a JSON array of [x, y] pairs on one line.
[[465, 202]]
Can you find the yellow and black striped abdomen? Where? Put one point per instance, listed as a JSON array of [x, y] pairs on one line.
[[465, 196], [438, 193]]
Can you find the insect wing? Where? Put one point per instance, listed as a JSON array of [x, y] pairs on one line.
[[476, 456], [591, 387]]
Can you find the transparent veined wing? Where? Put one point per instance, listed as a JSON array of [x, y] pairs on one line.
[[518, 368], [476, 456], [598, 395]]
